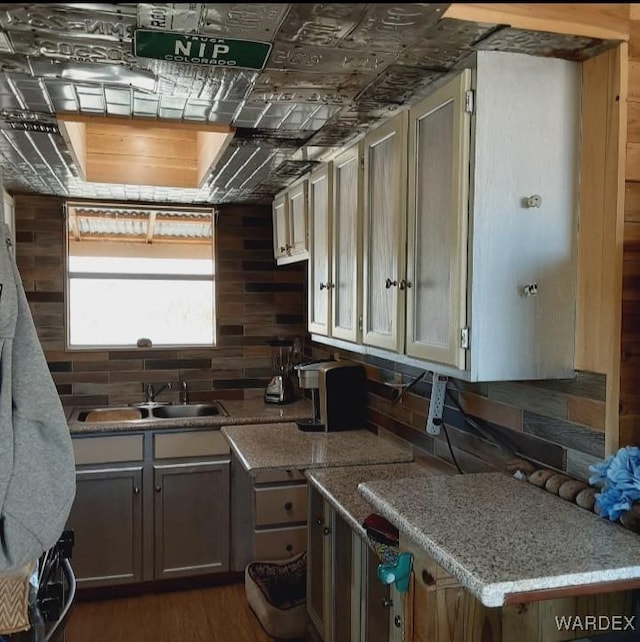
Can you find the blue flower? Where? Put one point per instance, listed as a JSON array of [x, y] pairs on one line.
[[619, 477], [601, 470], [611, 503]]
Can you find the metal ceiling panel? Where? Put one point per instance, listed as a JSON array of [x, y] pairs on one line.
[[49, 20], [249, 21], [552, 45], [335, 70], [390, 27], [320, 25], [285, 57]]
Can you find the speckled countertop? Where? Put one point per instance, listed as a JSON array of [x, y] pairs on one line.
[[284, 446], [339, 486], [498, 535], [250, 411]]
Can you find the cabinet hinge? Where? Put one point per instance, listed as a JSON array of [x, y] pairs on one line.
[[469, 102], [360, 323], [362, 163], [464, 338]]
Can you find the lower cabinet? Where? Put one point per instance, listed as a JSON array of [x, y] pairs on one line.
[[345, 600], [438, 609], [268, 514], [150, 506], [347, 603]]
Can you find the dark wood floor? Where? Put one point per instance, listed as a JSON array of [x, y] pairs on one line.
[[219, 614]]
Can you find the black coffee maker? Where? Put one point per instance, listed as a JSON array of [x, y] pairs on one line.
[[338, 391]]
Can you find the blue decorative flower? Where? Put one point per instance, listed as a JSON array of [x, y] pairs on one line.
[[619, 477], [611, 503]]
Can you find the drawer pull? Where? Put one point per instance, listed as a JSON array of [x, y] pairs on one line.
[[289, 548], [288, 505]]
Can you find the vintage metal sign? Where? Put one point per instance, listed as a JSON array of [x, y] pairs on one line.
[[170, 17], [200, 50]]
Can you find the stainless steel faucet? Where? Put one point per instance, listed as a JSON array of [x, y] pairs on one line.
[[184, 393], [152, 393]]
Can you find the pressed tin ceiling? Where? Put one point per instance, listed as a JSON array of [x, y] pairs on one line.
[[333, 71]]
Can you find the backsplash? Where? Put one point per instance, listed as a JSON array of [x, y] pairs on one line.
[[256, 302], [559, 424]]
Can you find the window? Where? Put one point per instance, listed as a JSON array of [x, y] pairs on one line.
[[139, 276]]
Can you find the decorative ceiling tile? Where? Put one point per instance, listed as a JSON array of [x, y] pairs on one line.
[[335, 70], [250, 21], [551, 45]]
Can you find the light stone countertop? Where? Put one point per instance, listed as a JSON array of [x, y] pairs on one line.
[[498, 535], [250, 411], [339, 486], [281, 446]]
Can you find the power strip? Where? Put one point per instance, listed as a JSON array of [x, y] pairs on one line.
[[436, 405]]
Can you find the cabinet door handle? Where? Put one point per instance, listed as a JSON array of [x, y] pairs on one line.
[[319, 521], [158, 489], [405, 284], [282, 249], [389, 283], [136, 490], [397, 620], [387, 603], [323, 286], [326, 530], [288, 505], [289, 548], [330, 285]]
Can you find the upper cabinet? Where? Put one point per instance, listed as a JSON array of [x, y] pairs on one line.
[[346, 246], [290, 220], [468, 249], [437, 228], [320, 235], [385, 207]]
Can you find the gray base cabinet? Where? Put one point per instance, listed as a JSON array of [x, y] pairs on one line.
[[269, 515], [191, 522], [107, 522], [150, 506]]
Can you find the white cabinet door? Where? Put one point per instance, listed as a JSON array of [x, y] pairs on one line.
[[280, 226], [297, 243], [346, 260], [385, 206], [437, 226], [320, 220]]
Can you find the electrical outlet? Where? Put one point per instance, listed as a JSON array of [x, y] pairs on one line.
[[436, 404]]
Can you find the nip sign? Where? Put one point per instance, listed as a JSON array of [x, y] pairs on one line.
[[200, 50]]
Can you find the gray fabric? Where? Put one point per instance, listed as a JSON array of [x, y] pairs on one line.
[[37, 469]]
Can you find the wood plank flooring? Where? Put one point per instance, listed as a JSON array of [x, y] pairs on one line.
[[218, 614]]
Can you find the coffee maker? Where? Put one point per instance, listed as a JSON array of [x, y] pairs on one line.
[[338, 393]]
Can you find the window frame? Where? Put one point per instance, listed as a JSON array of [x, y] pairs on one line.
[[69, 347]]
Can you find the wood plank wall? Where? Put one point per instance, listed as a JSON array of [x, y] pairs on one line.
[[630, 344]]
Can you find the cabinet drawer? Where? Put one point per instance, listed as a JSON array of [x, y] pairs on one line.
[[280, 543], [278, 476], [281, 505], [106, 450], [189, 444]]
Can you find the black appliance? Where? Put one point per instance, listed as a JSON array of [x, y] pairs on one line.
[[53, 589]]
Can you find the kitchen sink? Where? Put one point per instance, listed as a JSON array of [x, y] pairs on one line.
[[143, 412], [187, 410]]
